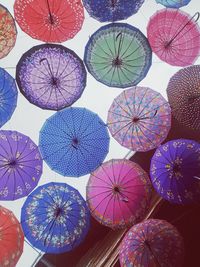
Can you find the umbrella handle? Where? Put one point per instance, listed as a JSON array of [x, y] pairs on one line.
[[50, 14], [49, 67], [196, 14]]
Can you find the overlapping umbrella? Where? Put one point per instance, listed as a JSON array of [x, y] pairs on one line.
[[174, 36], [119, 193], [55, 218], [139, 118], [20, 165], [112, 10], [152, 243], [173, 3], [8, 96], [175, 171], [74, 141], [118, 55], [51, 76], [49, 20], [183, 92], [8, 32], [11, 238]]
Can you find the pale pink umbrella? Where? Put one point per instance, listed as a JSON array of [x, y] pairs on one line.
[[174, 36], [119, 193]]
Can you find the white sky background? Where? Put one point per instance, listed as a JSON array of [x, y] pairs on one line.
[[28, 119]]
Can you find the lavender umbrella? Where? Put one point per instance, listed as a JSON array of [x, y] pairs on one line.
[[20, 165], [51, 76], [175, 171]]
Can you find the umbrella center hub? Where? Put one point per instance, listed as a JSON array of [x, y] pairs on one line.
[[113, 3], [116, 189], [176, 168], [117, 62], [135, 119], [75, 142], [58, 212], [54, 81], [12, 163]]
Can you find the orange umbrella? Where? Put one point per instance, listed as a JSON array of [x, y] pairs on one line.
[[11, 238]]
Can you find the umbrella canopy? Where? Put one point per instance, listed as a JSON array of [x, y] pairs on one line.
[[8, 96], [20, 165], [173, 3], [51, 76], [118, 55], [174, 36], [152, 243], [74, 141], [11, 238], [49, 20], [112, 10], [119, 193], [8, 32], [139, 118], [55, 218], [175, 171], [183, 92]]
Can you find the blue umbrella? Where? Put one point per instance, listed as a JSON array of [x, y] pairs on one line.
[[112, 10], [74, 141], [173, 3], [8, 96], [55, 218]]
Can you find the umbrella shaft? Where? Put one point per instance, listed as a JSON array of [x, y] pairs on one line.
[[50, 14]]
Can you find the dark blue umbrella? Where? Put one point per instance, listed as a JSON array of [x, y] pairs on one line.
[[173, 3], [74, 141], [175, 171], [112, 10], [55, 218], [8, 96]]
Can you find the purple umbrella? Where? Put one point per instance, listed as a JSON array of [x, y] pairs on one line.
[[175, 171], [20, 165], [51, 76]]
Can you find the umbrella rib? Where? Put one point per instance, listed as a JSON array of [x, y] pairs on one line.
[[129, 114], [107, 192], [93, 174], [142, 125], [133, 38], [128, 105], [118, 114]]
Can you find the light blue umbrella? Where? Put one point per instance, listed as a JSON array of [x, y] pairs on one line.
[[74, 141], [173, 3], [8, 96]]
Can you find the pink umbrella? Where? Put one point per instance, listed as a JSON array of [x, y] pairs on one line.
[[119, 193], [174, 36], [152, 243]]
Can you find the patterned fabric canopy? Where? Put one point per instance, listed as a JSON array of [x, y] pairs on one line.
[[139, 118], [55, 218], [152, 243], [118, 55], [74, 141], [119, 193], [8, 96], [112, 10], [20, 165], [173, 3], [51, 76], [175, 171], [11, 238], [174, 36], [49, 20], [8, 32]]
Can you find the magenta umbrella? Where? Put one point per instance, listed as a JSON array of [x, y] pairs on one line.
[[119, 193], [152, 243]]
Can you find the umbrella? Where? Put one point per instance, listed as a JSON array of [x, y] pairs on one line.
[[8, 96], [112, 10], [55, 218], [49, 20], [74, 141], [119, 193], [174, 36], [20, 165], [152, 243], [51, 76], [139, 118], [118, 55], [173, 3], [183, 92], [175, 171], [8, 32], [11, 238]]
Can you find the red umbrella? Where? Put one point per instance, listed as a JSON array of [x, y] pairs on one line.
[[11, 238], [174, 36], [152, 243], [49, 20]]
